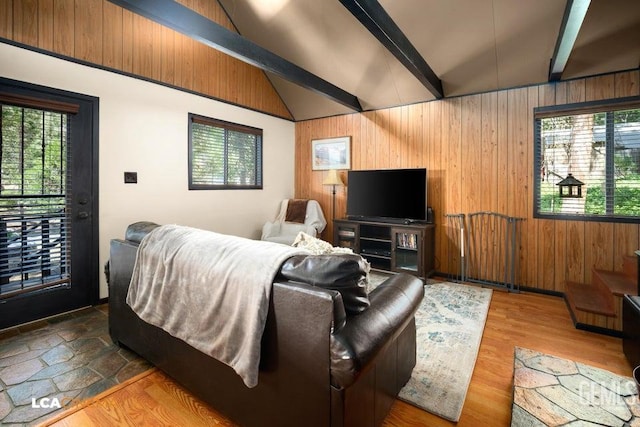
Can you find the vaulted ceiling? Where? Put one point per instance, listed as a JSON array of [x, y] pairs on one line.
[[467, 46]]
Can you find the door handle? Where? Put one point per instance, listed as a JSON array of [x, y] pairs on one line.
[[83, 215]]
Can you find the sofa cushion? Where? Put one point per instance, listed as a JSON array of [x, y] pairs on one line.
[[346, 274]]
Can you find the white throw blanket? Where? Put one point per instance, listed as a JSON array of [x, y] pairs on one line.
[[210, 290]]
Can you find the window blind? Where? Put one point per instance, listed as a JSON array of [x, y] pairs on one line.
[[601, 149], [224, 155]]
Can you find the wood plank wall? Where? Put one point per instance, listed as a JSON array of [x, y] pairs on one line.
[[102, 33], [478, 150]]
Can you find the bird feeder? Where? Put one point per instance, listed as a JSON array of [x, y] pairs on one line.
[[570, 187]]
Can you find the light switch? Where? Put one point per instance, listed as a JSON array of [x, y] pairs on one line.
[[131, 177]]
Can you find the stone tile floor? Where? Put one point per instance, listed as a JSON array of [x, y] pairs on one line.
[[69, 358], [550, 391]]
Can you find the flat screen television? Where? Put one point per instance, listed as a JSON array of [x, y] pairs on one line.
[[393, 195]]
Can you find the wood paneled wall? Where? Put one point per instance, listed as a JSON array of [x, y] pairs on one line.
[[478, 150], [102, 33]]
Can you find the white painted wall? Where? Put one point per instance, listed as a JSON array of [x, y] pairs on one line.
[[144, 129]]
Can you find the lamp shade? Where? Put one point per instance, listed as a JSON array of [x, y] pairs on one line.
[[332, 178]]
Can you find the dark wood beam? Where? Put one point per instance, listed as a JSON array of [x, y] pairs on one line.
[[574, 14], [373, 16], [186, 21]]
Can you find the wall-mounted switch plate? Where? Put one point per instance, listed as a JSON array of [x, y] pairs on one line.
[[131, 177]]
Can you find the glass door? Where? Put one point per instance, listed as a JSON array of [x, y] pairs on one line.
[[48, 230], [407, 251]]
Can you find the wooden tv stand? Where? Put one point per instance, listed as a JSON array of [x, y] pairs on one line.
[[407, 248]]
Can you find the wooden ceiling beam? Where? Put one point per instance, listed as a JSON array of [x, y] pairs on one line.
[[574, 15], [188, 22], [373, 16]]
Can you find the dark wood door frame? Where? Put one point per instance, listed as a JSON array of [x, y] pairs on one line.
[[84, 132]]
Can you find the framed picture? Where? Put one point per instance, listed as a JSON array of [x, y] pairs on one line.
[[331, 153]]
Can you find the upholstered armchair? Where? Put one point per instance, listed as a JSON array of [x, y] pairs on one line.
[[294, 218]]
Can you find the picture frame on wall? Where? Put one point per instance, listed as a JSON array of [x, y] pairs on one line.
[[331, 153]]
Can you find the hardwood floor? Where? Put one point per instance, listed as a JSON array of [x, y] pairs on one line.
[[534, 321]]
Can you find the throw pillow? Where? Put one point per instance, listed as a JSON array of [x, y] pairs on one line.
[[317, 246], [345, 273], [296, 210]]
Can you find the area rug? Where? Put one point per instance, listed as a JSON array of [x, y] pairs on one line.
[[450, 322], [550, 391]]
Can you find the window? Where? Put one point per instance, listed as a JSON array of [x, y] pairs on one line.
[[33, 206], [223, 155], [599, 145]]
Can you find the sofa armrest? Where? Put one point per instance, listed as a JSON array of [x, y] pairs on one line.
[[355, 346], [270, 229], [121, 262]]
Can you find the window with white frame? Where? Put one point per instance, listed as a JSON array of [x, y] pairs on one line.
[[595, 148], [223, 155]]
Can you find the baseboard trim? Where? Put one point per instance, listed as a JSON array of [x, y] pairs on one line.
[[542, 291], [599, 330]]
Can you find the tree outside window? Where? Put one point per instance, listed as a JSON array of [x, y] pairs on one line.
[[599, 144]]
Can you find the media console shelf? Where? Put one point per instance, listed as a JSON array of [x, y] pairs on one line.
[[389, 247]]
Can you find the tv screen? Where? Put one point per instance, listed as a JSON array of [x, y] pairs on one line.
[[387, 194]]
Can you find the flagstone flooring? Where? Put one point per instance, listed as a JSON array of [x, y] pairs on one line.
[[64, 359], [550, 391]]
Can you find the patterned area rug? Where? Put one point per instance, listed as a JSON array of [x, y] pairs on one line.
[[450, 322], [549, 391]]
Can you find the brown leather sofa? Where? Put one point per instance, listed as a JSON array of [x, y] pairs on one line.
[[329, 357]]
